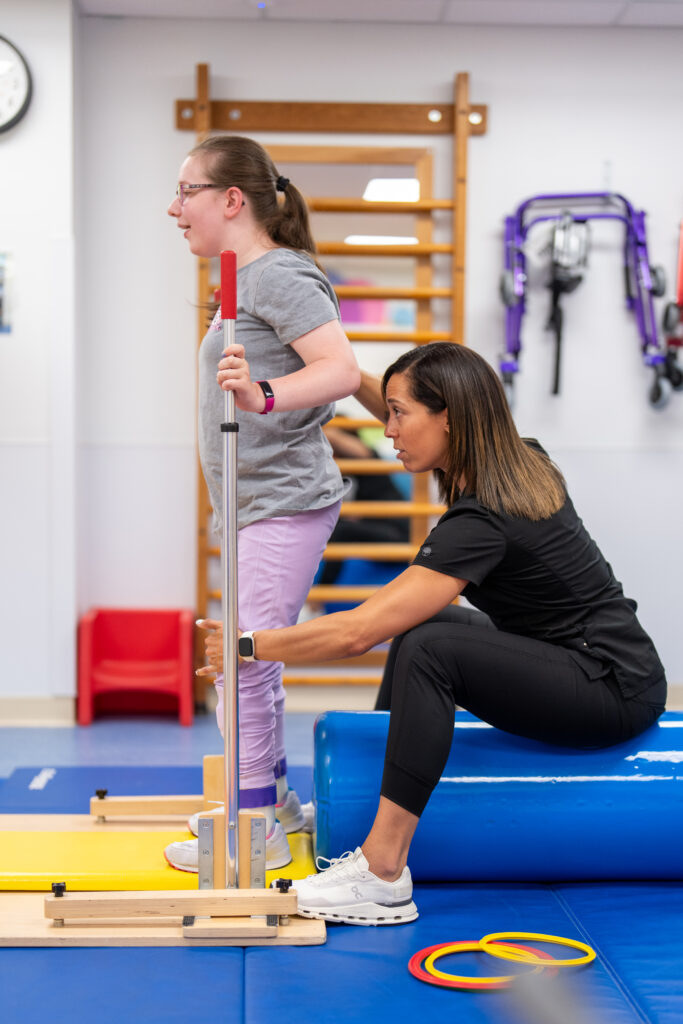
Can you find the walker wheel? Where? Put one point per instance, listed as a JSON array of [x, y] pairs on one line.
[[672, 317], [507, 288], [658, 281], [509, 389], [660, 392], [673, 371]]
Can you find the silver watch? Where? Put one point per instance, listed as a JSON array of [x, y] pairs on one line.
[[245, 646]]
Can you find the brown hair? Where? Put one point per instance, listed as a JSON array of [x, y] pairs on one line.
[[235, 161], [502, 471]]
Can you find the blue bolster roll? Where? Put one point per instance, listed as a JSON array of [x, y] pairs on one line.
[[510, 809]]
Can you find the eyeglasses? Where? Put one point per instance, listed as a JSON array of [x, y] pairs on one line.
[[183, 192]]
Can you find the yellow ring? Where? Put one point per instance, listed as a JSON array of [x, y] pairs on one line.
[[461, 947], [490, 944]]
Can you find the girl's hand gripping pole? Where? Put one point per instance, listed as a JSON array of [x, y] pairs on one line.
[[229, 576]]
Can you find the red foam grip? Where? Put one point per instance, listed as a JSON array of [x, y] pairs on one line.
[[228, 285]]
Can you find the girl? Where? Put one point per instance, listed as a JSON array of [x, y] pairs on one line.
[[291, 361]]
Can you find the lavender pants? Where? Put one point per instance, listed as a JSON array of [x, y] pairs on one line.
[[277, 561]]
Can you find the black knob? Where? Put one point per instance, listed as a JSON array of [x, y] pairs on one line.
[[284, 884], [101, 793], [59, 888]]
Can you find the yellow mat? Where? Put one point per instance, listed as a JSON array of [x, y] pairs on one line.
[[111, 861]]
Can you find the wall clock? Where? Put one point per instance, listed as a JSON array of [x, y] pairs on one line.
[[16, 85]]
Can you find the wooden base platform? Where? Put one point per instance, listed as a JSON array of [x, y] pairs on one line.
[[22, 923]]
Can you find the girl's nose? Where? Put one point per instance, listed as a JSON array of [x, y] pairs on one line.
[[173, 209]]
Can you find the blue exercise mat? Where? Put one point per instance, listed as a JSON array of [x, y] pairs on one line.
[[361, 974], [64, 986], [53, 790], [636, 929]]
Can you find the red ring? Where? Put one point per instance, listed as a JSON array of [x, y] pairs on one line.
[[416, 969]]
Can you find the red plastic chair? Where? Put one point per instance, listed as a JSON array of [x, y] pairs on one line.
[[135, 660]]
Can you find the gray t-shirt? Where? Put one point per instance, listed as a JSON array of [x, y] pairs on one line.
[[285, 462]]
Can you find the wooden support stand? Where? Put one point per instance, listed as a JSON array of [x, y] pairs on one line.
[[104, 807], [248, 915], [231, 916], [26, 919]]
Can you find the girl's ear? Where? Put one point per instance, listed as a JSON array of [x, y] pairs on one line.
[[234, 201]]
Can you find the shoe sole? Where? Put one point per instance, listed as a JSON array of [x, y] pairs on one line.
[[376, 914]]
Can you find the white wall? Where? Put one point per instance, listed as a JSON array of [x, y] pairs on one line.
[[568, 109], [37, 359]]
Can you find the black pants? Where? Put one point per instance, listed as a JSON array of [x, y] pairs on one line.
[[522, 686]]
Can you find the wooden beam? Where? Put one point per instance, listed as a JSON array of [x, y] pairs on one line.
[[145, 806], [202, 903], [391, 509], [377, 552], [340, 204], [461, 130], [245, 116], [353, 422], [414, 337], [320, 679], [370, 467], [408, 250], [351, 291], [202, 116]]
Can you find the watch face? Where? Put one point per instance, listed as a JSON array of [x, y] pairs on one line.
[[15, 85], [245, 647]]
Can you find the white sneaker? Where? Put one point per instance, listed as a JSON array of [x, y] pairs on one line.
[[291, 813], [278, 854], [185, 856], [348, 892], [193, 822], [308, 811]]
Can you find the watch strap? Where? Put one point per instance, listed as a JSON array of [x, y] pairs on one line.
[[270, 396]]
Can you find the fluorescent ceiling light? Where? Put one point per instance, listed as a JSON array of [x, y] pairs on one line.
[[392, 190], [380, 240]]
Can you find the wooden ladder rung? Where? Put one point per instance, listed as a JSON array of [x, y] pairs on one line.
[[375, 552], [342, 204], [353, 291], [390, 509], [369, 467], [324, 679], [374, 658], [409, 337], [408, 249], [354, 422], [324, 592]]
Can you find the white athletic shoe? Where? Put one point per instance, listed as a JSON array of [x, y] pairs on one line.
[[348, 892], [308, 811], [278, 854], [291, 813], [185, 856]]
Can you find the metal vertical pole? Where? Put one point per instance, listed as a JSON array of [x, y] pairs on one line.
[[229, 576]]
